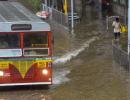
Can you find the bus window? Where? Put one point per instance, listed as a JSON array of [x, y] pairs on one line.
[[3, 43], [9, 40], [36, 44], [36, 40]]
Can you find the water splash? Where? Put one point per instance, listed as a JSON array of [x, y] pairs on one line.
[[68, 56], [60, 76]]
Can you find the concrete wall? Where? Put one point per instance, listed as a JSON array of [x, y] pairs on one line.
[[120, 10], [78, 6]]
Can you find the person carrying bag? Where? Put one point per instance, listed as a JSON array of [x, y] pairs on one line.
[[117, 28], [124, 29]]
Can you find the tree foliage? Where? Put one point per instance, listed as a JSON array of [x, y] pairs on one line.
[[32, 4], [35, 4]]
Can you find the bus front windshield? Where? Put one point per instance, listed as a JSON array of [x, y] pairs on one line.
[[35, 40], [36, 44], [8, 40]]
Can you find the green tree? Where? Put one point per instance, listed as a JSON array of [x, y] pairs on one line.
[[32, 4]]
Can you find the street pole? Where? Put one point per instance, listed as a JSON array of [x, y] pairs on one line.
[[65, 7], [128, 26], [72, 16], [46, 2]]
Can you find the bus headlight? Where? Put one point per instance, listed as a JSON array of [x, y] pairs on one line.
[[44, 71], [1, 73]]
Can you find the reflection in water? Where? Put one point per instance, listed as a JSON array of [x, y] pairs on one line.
[[121, 72], [46, 97], [2, 99], [60, 73]]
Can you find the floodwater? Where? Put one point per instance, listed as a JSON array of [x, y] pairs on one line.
[[83, 67]]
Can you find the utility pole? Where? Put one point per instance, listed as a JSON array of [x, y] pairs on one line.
[[72, 16], [46, 2], [128, 26], [65, 7]]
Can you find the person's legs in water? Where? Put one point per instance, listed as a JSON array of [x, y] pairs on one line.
[[115, 35], [118, 36]]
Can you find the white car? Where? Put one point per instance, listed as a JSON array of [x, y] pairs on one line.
[[43, 14]]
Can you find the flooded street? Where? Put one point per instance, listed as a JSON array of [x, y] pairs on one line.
[[83, 67]]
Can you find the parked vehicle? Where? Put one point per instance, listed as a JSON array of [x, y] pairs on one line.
[[43, 14]]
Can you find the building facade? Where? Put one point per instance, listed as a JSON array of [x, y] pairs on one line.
[[120, 7]]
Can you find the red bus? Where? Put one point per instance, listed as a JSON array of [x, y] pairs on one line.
[[26, 47]]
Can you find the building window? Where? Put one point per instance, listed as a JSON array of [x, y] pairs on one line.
[[115, 1], [123, 2]]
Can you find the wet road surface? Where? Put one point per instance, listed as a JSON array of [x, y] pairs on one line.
[[83, 67]]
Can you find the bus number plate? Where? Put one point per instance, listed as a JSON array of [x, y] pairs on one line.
[[41, 64], [4, 65]]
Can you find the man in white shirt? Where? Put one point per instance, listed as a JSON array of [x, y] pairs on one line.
[[117, 28]]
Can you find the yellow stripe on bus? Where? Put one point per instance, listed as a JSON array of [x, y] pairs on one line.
[[4, 64], [42, 63], [24, 66]]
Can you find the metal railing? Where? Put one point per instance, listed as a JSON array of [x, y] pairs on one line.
[[60, 17], [121, 57], [55, 15]]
